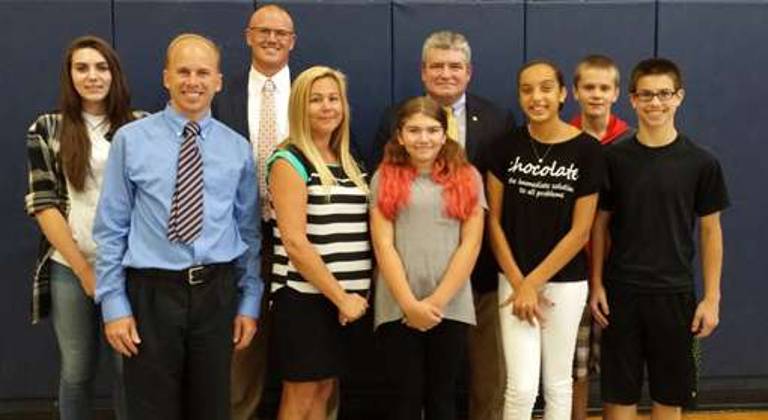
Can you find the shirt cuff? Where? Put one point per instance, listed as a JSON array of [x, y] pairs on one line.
[[115, 306], [250, 306]]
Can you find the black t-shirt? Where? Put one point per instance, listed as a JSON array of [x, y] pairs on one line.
[[541, 185], [655, 196]]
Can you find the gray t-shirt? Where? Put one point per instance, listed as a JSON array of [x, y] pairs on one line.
[[425, 240]]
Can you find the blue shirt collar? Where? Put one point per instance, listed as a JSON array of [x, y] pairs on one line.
[[178, 121]]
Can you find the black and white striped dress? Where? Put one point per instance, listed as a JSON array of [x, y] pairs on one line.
[[337, 226]]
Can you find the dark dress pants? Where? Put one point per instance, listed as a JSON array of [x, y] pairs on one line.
[[424, 368], [182, 369]]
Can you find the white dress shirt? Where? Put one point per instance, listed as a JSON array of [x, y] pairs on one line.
[[256, 80]]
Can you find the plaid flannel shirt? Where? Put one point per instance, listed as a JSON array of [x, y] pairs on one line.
[[46, 188]]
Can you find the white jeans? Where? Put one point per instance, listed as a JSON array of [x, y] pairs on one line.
[[548, 346]]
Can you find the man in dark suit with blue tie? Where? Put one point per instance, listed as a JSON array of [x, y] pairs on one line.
[[446, 69]]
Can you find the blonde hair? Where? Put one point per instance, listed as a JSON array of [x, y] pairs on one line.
[[301, 133]]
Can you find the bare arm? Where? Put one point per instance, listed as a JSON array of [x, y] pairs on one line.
[[706, 318], [289, 197], [598, 302], [388, 260], [419, 315], [503, 252], [56, 230], [573, 242], [463, 260], [526, 300], [499, 245]]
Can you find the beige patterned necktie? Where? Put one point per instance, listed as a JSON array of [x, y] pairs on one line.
[[267, 141]]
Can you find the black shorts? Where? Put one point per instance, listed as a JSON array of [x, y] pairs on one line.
[[653, 331], [306, 336]]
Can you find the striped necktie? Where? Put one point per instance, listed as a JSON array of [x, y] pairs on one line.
[[186, 221]]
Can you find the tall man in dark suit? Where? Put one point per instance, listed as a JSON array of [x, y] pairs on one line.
[[446, 70], [255, 103]]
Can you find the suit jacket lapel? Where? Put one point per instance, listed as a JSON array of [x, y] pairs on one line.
[[242, 104], [472, 126]]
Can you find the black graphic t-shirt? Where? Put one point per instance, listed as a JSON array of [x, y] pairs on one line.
[[541, 185]]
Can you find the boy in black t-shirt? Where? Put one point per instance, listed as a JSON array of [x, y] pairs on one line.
[[659, 183]]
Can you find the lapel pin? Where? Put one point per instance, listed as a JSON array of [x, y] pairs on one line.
[[474, 118]]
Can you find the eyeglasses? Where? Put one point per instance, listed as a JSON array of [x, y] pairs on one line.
[[664, 95], [264, 32]]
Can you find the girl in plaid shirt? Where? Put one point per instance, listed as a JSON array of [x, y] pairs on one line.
[[66, 151]]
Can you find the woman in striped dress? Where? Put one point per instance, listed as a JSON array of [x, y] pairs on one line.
[[322, 267]]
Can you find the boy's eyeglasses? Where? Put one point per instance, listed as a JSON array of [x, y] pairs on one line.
[[664, 95]]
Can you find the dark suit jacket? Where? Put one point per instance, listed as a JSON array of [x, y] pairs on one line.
[[230, 106], [485, 123]]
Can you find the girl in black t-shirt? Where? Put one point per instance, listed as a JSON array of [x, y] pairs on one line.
[[542, 194]]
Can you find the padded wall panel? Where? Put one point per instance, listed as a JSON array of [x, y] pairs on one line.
[[721, 49], [143, 30], [566, 30], [35, 34], [494, 30], [354, 37]]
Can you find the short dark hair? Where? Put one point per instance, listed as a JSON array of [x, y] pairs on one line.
[[595, 61], [656, 66]]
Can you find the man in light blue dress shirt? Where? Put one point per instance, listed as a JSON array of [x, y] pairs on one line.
[[176, 309]]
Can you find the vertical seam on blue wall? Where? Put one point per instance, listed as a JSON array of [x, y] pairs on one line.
[[112, 23], [391, 53], [656, 29], [525, 31]]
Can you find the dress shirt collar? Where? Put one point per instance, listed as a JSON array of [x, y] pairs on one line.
[[281, 79], [458, 106], [178, 121]]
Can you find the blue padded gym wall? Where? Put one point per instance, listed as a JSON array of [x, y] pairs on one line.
[[377, 44], [354, 37], [144, 28], [34, 35], [567, 30], [721, 49], [494, 31]]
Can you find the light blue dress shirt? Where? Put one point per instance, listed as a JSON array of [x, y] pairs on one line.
[[131, 225]]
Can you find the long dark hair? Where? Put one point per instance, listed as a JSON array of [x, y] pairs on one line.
[[74, 144]]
